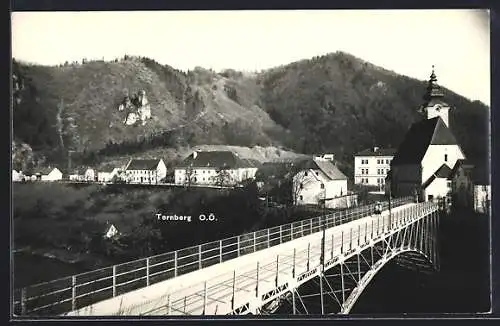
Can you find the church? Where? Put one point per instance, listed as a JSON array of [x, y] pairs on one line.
[[429, 163]]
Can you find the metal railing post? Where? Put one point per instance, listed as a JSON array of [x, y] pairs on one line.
[[199, 256], [147, 271], [73, 291], [23, 301], [308, 254], [205, 298], [281, 234], [254, 242], [293, 268], [257, 283], [342, 244], [175, 263], [350, 241], [277, 268], [114, 280], [234, 284], [238, 246], [269, 239], [220, 251]]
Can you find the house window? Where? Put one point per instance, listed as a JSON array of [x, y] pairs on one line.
[[305, 173], [301, 197], [301, 186], [449, 184], [446, 157], [322, 186], [430, 197], [387, 171]]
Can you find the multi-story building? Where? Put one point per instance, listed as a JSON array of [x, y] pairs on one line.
[[145, 171], [214, 168], [372, 165]]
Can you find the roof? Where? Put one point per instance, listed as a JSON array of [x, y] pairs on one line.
[[44, 170], [379, 152], [217, 159], [140, 164], [331, 171], [421, 135], [459, 164], [270, 170], [107, 169], [443, 171]]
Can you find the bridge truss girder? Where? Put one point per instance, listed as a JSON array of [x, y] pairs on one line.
[[340, 281]]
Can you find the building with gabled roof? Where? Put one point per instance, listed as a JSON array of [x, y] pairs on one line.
[[47, 173], [317, 181], [215, 167], [145, 171], [106, 174], [427, 155]]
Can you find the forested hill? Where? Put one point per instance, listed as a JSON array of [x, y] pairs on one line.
[[339, 103], [333, 103]]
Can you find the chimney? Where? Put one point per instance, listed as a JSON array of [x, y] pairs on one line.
[[375, 149]]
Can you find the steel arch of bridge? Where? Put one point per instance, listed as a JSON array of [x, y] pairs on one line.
[[343, 280]]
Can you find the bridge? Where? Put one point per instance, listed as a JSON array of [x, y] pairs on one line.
[[320, 265]]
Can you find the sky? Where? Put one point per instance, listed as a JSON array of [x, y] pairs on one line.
[[408, 42]]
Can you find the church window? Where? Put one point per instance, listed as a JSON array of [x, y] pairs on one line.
[[446, 157]]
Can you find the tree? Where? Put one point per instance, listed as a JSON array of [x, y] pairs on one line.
[[299, 183], [223, 177], [189, 176]]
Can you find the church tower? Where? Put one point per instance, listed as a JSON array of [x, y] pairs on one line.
[[434, 106]]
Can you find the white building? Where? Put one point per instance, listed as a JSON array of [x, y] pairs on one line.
[[107, 174], [428, 152], [372, 165], [48, 174], [145, 171], [90, 175], [17, 176], [214, 168], [318, 181]]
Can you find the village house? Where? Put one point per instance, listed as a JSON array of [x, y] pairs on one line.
[[424, 161], [150, 171], [47, 174], [17, 176], [215, 168], [90, 175], [310, 181], [372, 165], [319, 182], [106, 174], [77, 175]]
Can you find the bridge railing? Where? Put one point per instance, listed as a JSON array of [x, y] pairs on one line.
[[73, 292]]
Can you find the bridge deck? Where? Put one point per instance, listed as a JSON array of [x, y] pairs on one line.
[[221, 288]]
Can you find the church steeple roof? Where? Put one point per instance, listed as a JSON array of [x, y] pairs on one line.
[[433, 89]]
